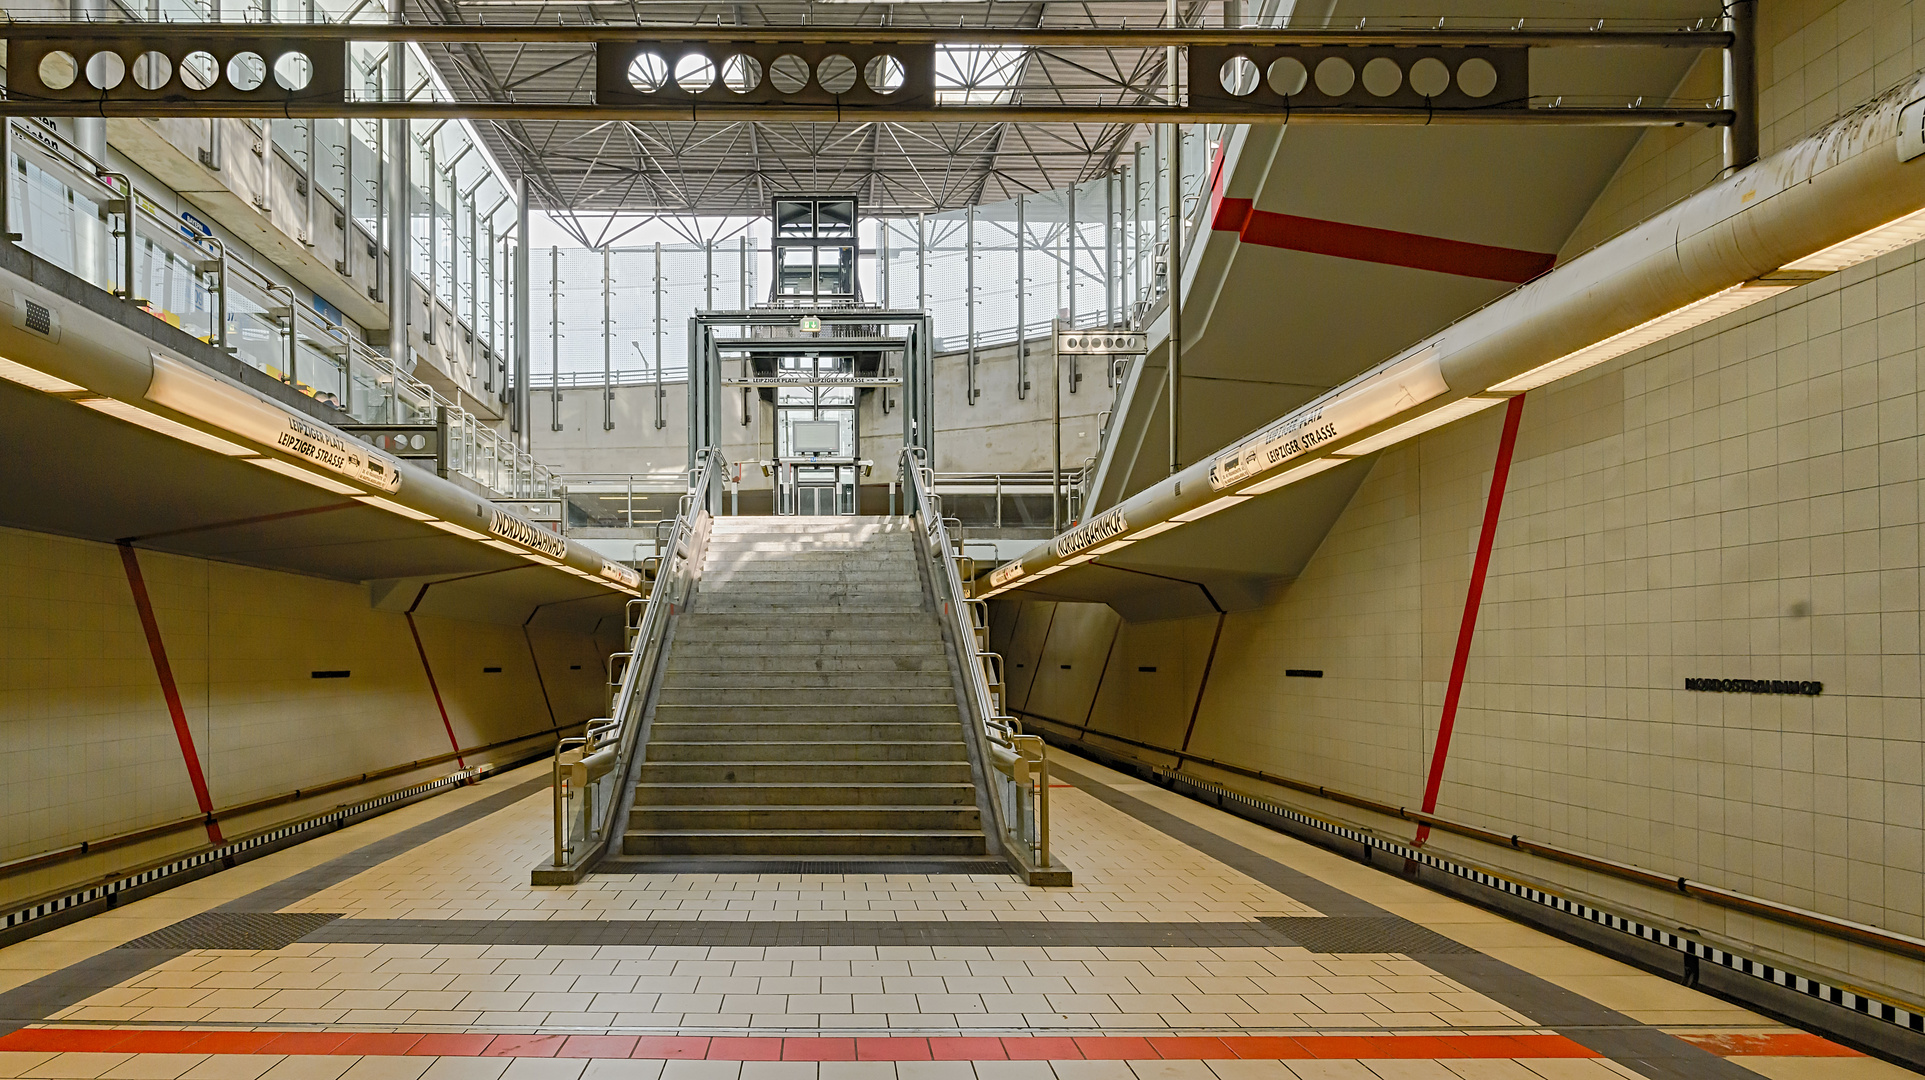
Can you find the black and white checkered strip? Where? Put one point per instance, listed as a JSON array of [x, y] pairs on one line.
[[115, 886], [1911, 1019]]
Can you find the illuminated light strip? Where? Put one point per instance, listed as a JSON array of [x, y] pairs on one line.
[[392, 507], [1221, 503], [36, 379], [305, 476], [465, 534], [173, 429], [503, 545], [1869, 244], [1436, 418], [1113, 546], [1697, 313], [1083, 558], [1159, 527]]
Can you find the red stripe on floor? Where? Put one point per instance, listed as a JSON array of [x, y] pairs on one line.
[[881, 1048], [773, 1048], [1367, 244], [1782, 1044], [168, 689]]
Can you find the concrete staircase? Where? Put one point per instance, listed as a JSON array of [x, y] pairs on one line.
[[807, 707]]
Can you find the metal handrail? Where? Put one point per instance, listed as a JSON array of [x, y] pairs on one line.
[[998, 737], [613, 740]]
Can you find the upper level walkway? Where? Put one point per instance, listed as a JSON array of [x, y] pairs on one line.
[[1193, 945]]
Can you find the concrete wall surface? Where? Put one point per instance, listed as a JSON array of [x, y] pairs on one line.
[[1742, 501], [88, 748]]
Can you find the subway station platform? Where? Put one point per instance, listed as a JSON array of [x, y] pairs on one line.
[[1193, 945]]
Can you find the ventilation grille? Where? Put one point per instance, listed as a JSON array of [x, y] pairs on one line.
[[1365, 934], [235, 930], [39, 319]]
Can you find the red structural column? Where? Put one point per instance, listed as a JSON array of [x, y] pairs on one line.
[[1473, 597], [169, 690]]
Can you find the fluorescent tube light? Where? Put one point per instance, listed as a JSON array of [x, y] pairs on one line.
[[1221, 503], [37, 380], [392, 507], [1696, 313], [305, 476], [1436, 418], [503, 545], [465, 534], [534, 558], [1048, 570], [1309, 468], [1869, 244], [1083, 558], [1159, 527], [1114, 545], [173, 429]]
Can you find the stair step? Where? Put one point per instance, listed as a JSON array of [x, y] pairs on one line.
[[731, 664], [805, 818], [719, 773], [678, 681], [723, 750], [826, 793], [765, 693], [826, 842]]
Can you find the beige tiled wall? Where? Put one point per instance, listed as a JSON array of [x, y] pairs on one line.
[[1739, 501], [87, 748]]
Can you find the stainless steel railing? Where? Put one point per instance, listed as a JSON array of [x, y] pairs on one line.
[[590, 768], [1015, 764], [77, 213]]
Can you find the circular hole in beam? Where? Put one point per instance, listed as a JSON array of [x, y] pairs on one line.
[[1335, 76], [1476, 77], [836, 74], [1238, 75], [789, 73], [106, 70], [247, 71], [647, 73], [199, 71], [57, 70], [1288, 76], [152, 70], [1382, 77], [884, 74], [293, 71], [694, 73], [1429, 76], [741, 73]]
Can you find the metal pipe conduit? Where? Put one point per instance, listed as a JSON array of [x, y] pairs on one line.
[[112, 360], [1763, 230], [1831, 926]]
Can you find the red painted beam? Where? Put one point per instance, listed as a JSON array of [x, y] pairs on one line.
[[1473, 599], [169, 690], [1389, 247]]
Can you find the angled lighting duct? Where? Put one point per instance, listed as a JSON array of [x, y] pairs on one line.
[[1697, 313], [173, 429], [1410, 429], [13, 371], [392, 507], [1869, 244]]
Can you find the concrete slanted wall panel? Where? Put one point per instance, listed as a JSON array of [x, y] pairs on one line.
[[87, 745]]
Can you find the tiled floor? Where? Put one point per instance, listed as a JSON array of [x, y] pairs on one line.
[[445, 963]]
